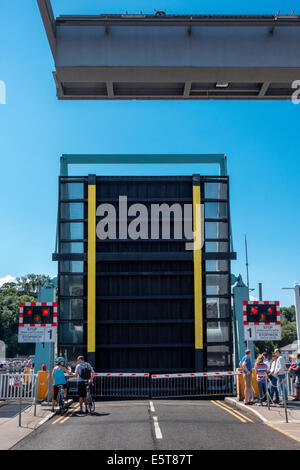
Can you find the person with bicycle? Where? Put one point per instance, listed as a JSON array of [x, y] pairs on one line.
[[59, 379], [85, 374]]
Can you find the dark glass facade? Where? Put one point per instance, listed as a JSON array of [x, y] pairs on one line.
[[145, 288]]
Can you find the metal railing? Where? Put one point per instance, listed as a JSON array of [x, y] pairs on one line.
[[145, 385], [14, 386], [193, 385], [116, 385]]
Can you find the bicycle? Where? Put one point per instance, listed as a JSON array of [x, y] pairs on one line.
[[61, 399], [89, 398]]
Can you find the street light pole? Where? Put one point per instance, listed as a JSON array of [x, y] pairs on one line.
[[296, 290]]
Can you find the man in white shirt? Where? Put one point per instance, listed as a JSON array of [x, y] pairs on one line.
[[280, 370]]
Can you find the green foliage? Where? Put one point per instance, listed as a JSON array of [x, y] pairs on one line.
[[288, 332], [11, 295]]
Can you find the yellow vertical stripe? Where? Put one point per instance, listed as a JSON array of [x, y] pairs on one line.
[[91, 303], [197, 268]]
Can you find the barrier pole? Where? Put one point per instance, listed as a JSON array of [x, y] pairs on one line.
[[267, 392], [20, 402]]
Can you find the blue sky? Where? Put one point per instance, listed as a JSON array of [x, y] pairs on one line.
[[260, 139]]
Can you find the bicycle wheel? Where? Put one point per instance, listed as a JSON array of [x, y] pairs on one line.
[[61, 402], [91, 403]]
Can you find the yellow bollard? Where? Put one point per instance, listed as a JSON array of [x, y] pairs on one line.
[[42, 385], [240, 387]]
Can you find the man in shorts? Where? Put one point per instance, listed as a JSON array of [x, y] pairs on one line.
[[246, 365], [84, 373]]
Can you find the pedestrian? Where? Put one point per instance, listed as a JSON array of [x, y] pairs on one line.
[[261, 372], [246, 365], [266, 360], [280, 371], [273, 379], [85, 374], [295, 368]]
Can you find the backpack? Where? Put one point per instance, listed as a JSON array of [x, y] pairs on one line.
[[85, 371]]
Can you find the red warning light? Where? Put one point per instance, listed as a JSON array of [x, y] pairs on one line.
[[254, 310], [29, 312], [270, 310], [45, 312]]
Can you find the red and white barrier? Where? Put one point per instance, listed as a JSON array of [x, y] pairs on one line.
[[194, 374]]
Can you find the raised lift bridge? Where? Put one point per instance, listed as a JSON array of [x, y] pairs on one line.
[[164, 56]]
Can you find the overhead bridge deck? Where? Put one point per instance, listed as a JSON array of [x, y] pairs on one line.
[[160, 56]]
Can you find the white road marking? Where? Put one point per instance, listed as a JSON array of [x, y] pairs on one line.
[[158, 433], [152, 407]]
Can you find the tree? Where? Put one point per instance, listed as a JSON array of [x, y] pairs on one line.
[[11, 295]]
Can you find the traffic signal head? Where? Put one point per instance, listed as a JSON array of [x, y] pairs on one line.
[[38, 315], [261, 313]]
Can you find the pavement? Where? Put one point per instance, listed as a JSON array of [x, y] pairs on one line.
[[10, 431], [276, 417]]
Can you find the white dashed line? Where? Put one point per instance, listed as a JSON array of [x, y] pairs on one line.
[[158, 433], [152, 407]]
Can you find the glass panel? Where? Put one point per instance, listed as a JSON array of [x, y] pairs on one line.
[[215, 210], [215, 190], [71, 332], [216, 247], [218, 356], [73, 231], [216, 230], [71, 285], [71, 309], [71, 266], [75, 247], [70, 354], [216, 265], [72, 190], [218, 332], [218, 308], [217, 284], [71, 210]]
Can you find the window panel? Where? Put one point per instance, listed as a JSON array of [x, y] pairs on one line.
[[72, 190], [217, 284], [216, 230], [218, 356], [218, 308], [216, 265], [218, 331], [71, 333], [72, 266], [71, 285], [215, 190], [72, 231], [71, 309], [216, 247], [215, 210], [72, 210]]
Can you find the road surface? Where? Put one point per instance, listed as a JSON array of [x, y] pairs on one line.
[[157, 425]]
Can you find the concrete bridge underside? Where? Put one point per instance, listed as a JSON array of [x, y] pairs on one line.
[[253, 57]]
